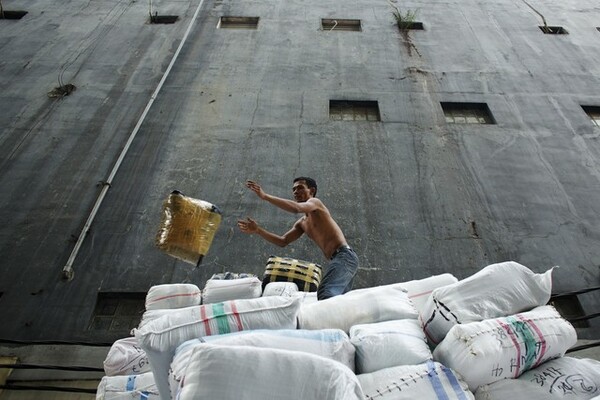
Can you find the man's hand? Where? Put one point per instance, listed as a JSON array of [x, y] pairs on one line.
[[255, 187], [248, 225]]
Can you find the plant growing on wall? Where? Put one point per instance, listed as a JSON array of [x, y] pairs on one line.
[[405, 21]]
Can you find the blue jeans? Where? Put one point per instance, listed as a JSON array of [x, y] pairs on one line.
[[339, 274]]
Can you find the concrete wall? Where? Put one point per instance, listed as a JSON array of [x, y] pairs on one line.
[[414, 195]]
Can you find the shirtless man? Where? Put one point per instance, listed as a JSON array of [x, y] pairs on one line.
[[319, 226]]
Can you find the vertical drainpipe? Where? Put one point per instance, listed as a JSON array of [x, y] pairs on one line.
[[67, 271]]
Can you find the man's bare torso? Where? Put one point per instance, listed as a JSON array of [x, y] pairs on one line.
[[323, 230]]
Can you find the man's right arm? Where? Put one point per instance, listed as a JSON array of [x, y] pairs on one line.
[[250, 226]]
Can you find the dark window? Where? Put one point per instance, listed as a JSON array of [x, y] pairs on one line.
[[117, 312], [163, 19], [341, 24], [349, 110], [12, 14], [594, 113], [467, 113], [554, 30], [238, 23]]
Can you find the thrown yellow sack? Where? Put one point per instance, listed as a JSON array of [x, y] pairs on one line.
[[306, 275], [188, 227]]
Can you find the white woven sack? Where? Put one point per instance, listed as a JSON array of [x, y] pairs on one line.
[[151, 315], [286, 289], [487, 351], [561, 378], [497, 290], [419, 290], [389, 344], [127, 387], [175, 295], [126, 357], [251, 373], [160, 338], [362, 306], [430, 380], [333, 344], [219, 290]]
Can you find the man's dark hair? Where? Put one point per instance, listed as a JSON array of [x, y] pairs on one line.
[[310, 182]]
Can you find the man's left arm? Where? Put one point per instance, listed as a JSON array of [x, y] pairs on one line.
[[285, 204]]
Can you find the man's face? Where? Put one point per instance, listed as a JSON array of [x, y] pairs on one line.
[[301, 191]]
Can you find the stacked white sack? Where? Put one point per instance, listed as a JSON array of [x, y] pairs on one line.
[[127, 387], [389, 344], [497, 290], [219, 290], [126, 357], [251, 373], [562, 378], [487, 351], [419, 290], [333, 344], [174, 295], [431, 380], [286, 289], [362, 306], [160, 338]]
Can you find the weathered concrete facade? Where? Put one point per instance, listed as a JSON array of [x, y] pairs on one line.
[[414, 195]]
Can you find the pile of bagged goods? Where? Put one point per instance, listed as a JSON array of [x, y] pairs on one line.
[[490, 336]]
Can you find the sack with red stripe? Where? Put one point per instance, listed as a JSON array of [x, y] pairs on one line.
[[159, 338], [494, 349], [306, 275], [174, 295]]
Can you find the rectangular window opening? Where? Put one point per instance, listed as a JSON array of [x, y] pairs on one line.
[[413, 26], [117, 311], [594, 113], [341, 24], [163, 19], [238, 23], [467, 113], [12, 14], [554, 30], [569, 308], [350, 110]]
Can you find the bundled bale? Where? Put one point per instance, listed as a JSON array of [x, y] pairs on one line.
[[561, 378], [160, 338], [494, 349], [219, 290], [333, 344], [497, 290], [362, 306], [306, 275], [251, 373], [286, 289], [389, 344], [187, 228], [174, 295], [126, 357], [431, 380], [127, 387]]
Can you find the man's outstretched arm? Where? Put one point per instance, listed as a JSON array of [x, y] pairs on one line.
[[284, 204], [250, 226]]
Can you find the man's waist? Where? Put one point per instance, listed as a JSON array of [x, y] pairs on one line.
[[340, 249]]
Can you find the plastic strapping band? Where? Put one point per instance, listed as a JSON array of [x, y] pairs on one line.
[[525, 334], [435, 381], [205, 320], [540, 336], [221, 318], [130, 383], [458, 390], [236, 315], [144, 396]]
